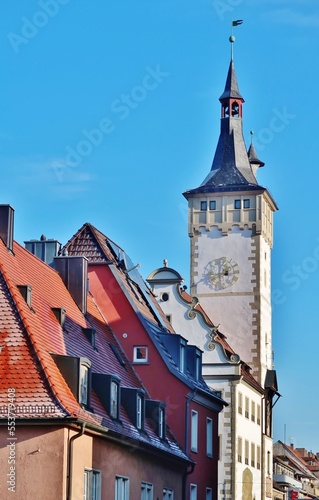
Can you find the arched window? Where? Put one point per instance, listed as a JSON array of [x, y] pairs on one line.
[[235, 109]]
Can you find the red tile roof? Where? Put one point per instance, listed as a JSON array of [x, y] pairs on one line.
[[30, 335]]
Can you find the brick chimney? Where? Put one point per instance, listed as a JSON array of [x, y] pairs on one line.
[[74, 273], [6, 225]]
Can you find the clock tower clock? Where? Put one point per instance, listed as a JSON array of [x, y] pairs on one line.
[[230, 224]]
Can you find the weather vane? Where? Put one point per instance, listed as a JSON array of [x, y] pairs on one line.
[[232, 38]]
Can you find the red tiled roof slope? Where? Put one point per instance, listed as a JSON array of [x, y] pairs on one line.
[[98, 248], [28, 337]]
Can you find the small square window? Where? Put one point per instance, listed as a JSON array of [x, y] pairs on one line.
[[212, 205], [203, 205], [140, 354], [237, 204], [246, 203]]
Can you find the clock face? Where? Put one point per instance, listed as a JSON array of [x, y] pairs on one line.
[[221, 273]]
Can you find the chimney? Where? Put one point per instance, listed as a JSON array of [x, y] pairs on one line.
[[74, 273], [6, 225], [44, 249]]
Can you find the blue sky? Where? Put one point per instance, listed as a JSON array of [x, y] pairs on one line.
[[109, 111]]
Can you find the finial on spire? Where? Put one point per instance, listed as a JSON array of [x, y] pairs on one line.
[[251, 136], [232, 38]]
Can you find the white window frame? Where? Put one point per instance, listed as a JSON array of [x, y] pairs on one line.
[[161, 422], [168, 494], [84, 384], [193, 492], [209, 494], [182, 357], [122, 488], [194, 431], [136, 350], [147, 491], [92, 484], [209, 437], [114, 399], [139, 411]]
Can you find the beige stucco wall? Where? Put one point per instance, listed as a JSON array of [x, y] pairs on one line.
[[38, 459]]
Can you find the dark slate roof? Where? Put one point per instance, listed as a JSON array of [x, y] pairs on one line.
[[252, 156], [231, 169], [231, 87], [271, 381]]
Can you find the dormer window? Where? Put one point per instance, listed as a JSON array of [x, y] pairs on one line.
[[139, 409], [84, 384], [108, 389], [77, 374], [198, 366], [194, 362], [182, 353], [155, 412], [90, 334], [134, 402], [161, 422], [114, 399]]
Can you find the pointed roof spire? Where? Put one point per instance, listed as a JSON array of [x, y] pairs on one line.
[[252, 155], [232, 169], [231, 87]]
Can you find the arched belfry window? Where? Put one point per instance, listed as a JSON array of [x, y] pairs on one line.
[[225, 110], [235, 109]]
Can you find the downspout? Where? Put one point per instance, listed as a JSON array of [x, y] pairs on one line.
[[188, 400], [70, 461]]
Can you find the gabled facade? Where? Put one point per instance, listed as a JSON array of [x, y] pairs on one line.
[[244, 459], [169, 367], [75, 419]]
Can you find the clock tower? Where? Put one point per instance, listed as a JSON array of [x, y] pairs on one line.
[[230, 224]]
